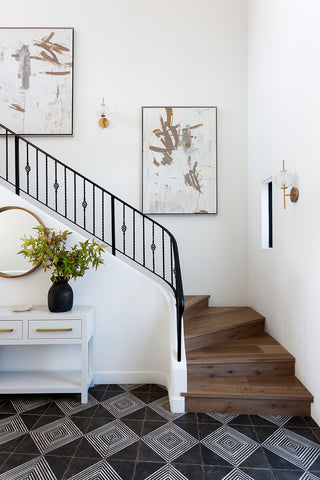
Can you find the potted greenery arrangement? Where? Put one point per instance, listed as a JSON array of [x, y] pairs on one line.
[[49, 250]]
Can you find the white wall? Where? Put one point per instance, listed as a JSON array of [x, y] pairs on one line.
[[142, 52], [284, 119], [135, 321]]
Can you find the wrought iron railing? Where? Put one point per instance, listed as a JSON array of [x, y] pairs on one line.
[[36, 173]]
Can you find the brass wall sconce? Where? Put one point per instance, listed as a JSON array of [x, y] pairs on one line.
[[285, 180], [103, 122]]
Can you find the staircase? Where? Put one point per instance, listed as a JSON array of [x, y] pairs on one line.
[[234, 366]]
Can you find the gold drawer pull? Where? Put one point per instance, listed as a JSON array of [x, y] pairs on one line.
[[54, 330], [7, 330]]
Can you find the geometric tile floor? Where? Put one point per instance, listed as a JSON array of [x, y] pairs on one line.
[[126, 432]]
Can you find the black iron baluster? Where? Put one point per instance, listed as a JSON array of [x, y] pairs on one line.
[[144, 241], [179, 332], [113, 226], [37, 174], [17, 164], [7, 156], [153, 248], [55, 186], [102, 214], [65, 193], [163, 258], [46, 179], [84, 204], [74, 198], [133, 234], [124, 228], [27, 167], [171, 260], [93, 211]]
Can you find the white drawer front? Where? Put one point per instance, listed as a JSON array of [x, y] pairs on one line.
[[10, 329], [54, 329]]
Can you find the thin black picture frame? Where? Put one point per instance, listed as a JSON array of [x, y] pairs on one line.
[[142, 154], [72, 83]]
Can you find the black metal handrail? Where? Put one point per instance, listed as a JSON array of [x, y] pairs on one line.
[[84, 203]]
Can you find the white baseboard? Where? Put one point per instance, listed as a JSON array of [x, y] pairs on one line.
[[177, 404], [130, 377], [315, 412]]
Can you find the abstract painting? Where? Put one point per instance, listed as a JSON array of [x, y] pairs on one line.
[[179, 160], [36, 80]]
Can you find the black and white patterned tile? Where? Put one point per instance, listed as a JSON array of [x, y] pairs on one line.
[[11, 427], [127, 432], [162, 407], [37, 468], [71, 406], [293, 448], [230, 444], [167, 472], [170, 441], [55, 435], [111, 438], [22, 405], [276, 419], [100, 470], [223, 417], [123, 404]]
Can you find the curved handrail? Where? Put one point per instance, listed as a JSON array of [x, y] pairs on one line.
[[75, 191]]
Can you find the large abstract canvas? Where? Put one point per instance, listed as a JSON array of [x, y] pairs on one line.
[[179, 160], [36, 80]]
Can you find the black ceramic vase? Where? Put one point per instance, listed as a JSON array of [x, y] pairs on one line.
[[60, 297]]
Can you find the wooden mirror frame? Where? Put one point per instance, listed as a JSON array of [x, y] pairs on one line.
[[3, 209]]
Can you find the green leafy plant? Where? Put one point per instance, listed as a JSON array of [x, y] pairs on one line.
[[49, 250]]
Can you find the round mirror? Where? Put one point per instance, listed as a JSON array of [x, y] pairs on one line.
[[15, 223]]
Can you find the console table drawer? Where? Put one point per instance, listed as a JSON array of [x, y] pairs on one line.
[[10, 330], [54, 329]]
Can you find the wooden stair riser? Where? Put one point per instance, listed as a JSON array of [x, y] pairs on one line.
[[194, 343], [240, 369], [195, 309], [248, 406], [235, 367]]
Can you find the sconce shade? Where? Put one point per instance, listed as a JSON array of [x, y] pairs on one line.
[[284, 179], [103, 122], [102, 108]]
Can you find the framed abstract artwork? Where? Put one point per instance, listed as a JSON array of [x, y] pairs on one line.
[[179, 149], [36, 72]]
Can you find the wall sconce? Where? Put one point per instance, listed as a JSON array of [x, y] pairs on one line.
[[285, 180], [103, 122]]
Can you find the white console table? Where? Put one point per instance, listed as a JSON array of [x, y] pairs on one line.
[[41, 327]]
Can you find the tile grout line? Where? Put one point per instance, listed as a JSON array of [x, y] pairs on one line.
[[143, 422], [65, 473], [23, 437], [262, 449]]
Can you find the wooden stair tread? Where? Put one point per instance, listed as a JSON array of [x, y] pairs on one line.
[[234, 366], [255, 348], [259, 388], [215, 319], [192, 300]]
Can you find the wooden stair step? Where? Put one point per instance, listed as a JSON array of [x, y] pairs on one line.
[[250, 395], [258, 354], [194, 304], [219, 324]]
